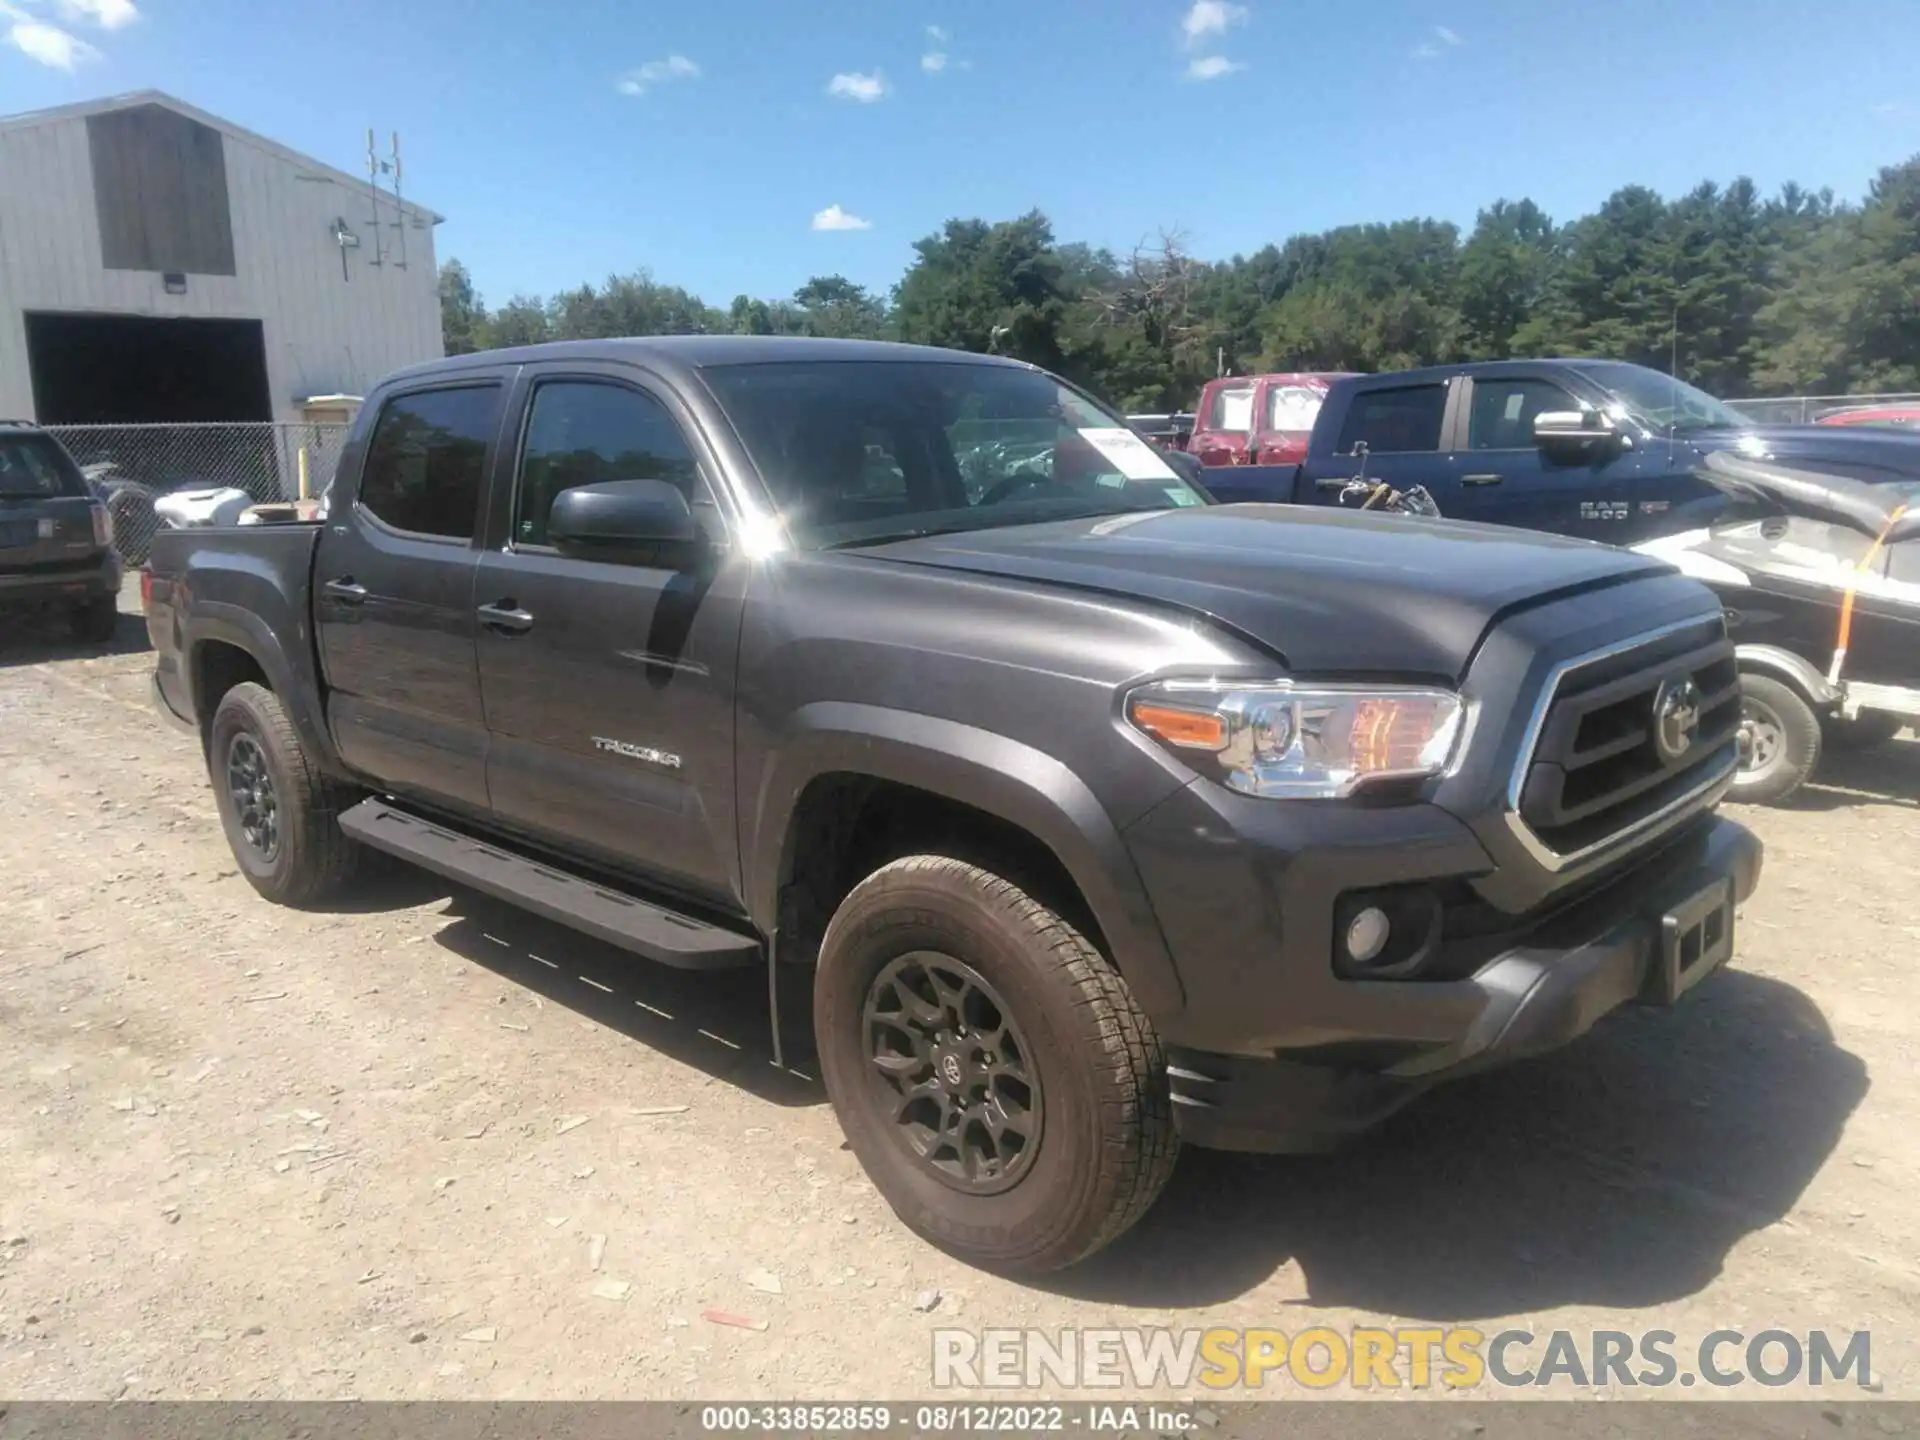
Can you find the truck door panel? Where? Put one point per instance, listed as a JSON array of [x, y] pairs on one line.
[[1401, 427], [393, 598], [1513, 481], [609, 700]]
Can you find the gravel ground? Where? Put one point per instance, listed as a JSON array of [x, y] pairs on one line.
[[430, 1147]]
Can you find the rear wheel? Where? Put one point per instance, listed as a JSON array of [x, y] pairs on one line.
[[1779, 741], [280, 812], [97, 621], [991, 1071]]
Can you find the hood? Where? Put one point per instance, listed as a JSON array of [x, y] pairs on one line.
[[1330, 592], [1887, 509], [1854, 451]]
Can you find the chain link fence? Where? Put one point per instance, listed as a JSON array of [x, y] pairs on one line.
[[132, 466], [1806, 409]]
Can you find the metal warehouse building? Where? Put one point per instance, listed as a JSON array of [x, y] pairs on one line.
[[160, 265]]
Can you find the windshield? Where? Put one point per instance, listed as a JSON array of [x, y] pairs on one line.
[[867, 450], [1662, 402], [32, 467]]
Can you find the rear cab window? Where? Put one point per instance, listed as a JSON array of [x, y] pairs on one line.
[[34, 467], [427, 459]]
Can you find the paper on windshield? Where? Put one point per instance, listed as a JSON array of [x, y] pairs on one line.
[[1129, 454]]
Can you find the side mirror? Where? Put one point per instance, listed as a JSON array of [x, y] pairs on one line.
[[1573, 427], [603, 521]]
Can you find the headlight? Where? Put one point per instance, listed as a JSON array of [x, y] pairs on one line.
[[1302, 741]]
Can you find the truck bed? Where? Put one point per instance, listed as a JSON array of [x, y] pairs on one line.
[[251, 584]]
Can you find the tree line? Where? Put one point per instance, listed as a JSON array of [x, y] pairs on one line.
[[1743, 295]]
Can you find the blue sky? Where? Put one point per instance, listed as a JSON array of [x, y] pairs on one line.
[[568, 139]]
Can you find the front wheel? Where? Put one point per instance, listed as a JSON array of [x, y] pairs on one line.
[[1779, 741], [992, 1072]]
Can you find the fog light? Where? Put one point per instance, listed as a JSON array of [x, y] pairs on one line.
[[1367, 934]]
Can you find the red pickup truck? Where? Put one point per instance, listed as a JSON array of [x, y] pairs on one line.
[[1258, 419]]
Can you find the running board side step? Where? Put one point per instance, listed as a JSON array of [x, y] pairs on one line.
[[661, 935]]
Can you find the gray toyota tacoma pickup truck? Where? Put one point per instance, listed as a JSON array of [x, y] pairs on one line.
[[1104, 817]]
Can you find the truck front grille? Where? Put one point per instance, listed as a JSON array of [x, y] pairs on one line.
[[1627, 738]]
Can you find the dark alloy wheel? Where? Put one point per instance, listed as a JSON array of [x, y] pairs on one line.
[[994, 1075], [250, 787], [954, 1070], [280, 811]]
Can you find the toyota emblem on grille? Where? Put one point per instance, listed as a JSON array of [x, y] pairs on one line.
[[1676, 716]]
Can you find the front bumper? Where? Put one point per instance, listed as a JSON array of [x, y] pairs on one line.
[[1618, 945], [64, 584]]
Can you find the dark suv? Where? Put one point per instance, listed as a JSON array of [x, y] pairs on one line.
[[56, 541]]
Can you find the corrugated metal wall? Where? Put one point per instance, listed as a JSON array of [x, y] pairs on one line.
[[324, 334]]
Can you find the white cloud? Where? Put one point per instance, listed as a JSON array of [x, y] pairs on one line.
[[1426, 50], [658, 72], [834, 218], [854, 86], [937, 35], [1450, 37], [1446, 40], [48, 44], [1212, 67], [1211, 17], [933, 62], [107, 14]]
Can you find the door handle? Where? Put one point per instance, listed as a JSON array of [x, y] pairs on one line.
[[1480, 479], [505, 617], [345, 591]]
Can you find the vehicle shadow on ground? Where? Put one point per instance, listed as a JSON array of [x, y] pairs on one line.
[[716, 1021], [1887, 774], [1617, 1173], [38, 639]]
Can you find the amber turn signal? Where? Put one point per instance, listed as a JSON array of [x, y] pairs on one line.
[[1189, 729]]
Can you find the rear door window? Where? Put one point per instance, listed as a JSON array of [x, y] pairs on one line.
[[1232, 409], [1404, 418], [427, 461]]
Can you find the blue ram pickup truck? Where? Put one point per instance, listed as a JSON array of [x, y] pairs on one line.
[[1600, 449]]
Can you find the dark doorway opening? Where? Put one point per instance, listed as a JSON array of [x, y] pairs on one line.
[[134, 369]]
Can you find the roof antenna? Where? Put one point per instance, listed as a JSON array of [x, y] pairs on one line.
[[373, 198], [399, 210]]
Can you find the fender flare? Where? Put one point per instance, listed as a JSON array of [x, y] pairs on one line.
[[241, 628], [1795, 670], [1002, 777]]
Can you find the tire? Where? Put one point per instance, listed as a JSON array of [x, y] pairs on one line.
[[1100, 1143], [1867, 731], [286, 838], [1781, 741], [97, 621]]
